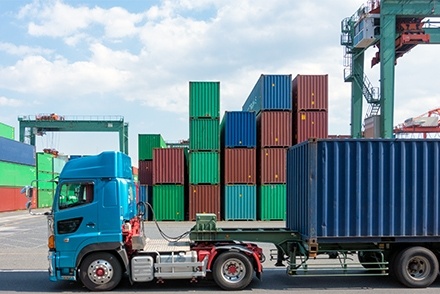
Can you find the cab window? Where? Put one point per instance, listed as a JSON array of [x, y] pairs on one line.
[[75, 194]]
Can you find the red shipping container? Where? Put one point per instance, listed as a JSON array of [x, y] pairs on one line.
[[145, 171], [310, 124], [204, 199], [240, 166], [169, 166], [310, 92], [273, 165], [274, 128], [11, 199]]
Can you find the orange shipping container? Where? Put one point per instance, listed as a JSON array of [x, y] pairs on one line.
[[274, 128], [310, 92], [11, 199], [169, 166], [204, 199]]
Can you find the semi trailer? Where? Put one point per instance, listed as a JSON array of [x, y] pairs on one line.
[[369, 207]]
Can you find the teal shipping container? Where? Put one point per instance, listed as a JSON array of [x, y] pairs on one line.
[[204, 99], [146, 144], [240, 202], [204, 168], [204, 134], [272, 202], [169, 202]]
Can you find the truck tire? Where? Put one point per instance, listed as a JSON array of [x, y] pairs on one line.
[[416, 267], [100, 271], [232, 271]]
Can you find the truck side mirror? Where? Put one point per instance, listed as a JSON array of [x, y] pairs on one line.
[[28, 191]]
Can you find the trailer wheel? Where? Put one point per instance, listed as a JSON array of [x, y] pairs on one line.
[[100, 271], [416, 267], [232, 271]]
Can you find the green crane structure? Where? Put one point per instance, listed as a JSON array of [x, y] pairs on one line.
[[394, 27], [33, 125]]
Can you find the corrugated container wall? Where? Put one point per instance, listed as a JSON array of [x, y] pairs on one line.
[[169, 166], [364, 189], [6, 131], [272, 168], [17, 152], [44, 162], [169, 202], [310, 124], [146, 144], [204, 199], [275, 129], [271, 92], [145, 196], [239, 129], [11, 199], [16, 175], [272, 202], [204, 100], [204, 168], [240, 166], [240, 202], [310, 92], [145, 172], [204, 134]]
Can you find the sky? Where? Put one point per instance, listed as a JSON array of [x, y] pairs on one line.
[[136, 58]]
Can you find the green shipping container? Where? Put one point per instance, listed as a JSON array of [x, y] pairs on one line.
[[45, 198], [44, 162], [169, 202], [7, 131], [146, 144], [204, 134], [204, 168], [43, 180], [272, 202], [204, 99], [16, 175]]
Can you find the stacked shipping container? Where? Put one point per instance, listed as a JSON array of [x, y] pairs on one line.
[[271, 99], [204, 156], [147, 143], [17, 169], [7, 131], [48, 169], [238, 141], [310, 102]]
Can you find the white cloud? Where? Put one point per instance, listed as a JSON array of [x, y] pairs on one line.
[[20, 50], [9, 102]]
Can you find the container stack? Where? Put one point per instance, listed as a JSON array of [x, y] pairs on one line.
[[272, 102], [48, 169], [204, 156], [239, 160], [169, 182], [7, 131], [17, 169], [146, 144], [310, 102]]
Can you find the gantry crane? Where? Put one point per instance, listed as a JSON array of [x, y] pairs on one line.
[[424, 124], [394, 27], [32, 125]]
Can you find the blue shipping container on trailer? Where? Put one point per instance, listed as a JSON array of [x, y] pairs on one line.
[[271, 92], [17, 152], [239, 129], [345, 190]]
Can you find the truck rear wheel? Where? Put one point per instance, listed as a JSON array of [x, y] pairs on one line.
[[100, 271], [416, 267], [232, 271]]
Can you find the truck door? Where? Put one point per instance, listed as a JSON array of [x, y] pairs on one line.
[[75, 220]]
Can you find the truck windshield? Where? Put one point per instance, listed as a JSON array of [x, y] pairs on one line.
[[74, 194]]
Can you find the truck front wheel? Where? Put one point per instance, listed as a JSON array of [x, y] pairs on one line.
[[232, 271], [100, 271], [416, 267]]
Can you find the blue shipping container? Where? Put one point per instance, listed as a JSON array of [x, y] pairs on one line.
[[17, 152], [344, 190], [271, 92], [240, 202], [145, 196], [239, 129]]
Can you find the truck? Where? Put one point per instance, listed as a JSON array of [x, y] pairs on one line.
[[354, 207]]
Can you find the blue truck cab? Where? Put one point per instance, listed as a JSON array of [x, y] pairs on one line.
[[95, 196]]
